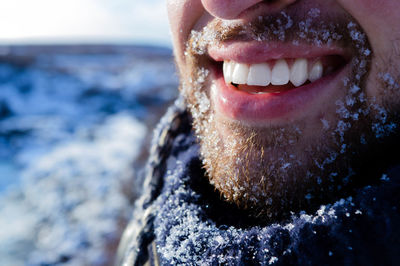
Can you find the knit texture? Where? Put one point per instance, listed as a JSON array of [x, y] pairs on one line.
[[191, 225]]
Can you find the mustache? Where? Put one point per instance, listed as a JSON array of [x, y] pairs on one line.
[[307, 27]]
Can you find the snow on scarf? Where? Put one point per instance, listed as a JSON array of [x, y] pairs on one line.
[[192, 226]]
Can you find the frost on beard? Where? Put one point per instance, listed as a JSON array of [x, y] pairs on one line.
[[326, 162]]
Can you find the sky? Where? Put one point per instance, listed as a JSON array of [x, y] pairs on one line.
[[84, 21]]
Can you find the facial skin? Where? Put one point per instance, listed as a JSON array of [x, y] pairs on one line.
[[290, 148]]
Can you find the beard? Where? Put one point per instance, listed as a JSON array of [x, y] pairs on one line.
[[275, 171]]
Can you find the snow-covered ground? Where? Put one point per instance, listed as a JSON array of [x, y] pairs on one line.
[[74, 125]]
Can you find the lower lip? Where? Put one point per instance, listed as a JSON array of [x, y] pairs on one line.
[[271, 108]]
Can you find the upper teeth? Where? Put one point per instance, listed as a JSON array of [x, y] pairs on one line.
[[280, 74]]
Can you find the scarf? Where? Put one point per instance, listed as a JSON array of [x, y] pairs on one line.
[[185, 219]]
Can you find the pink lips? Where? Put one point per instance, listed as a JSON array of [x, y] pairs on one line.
[[258, 52], [270, 108]]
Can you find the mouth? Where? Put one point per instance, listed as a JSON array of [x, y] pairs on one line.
[[279, 75], [273, 83]]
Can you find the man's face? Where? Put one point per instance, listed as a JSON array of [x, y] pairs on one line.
[[291, 100]]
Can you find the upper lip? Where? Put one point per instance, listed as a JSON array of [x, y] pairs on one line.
[[251, 52], [271, 108]]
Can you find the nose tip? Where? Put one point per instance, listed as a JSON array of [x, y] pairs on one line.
[[230, 9], [227, 9]]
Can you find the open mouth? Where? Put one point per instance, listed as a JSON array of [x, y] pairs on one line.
[[270, 83], [280, 75]]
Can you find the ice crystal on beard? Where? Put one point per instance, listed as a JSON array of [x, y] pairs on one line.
[[199, 40], [280, 31], [353, 89], [345, 81], [363, 140], [198, 45], [203, 101], [385, 177], [286, 165], [328, 160], [350, 101], [354, 33], [323, 35], [383, 130], [273, 260], [289, 22], [342, 110], [204, 104], [381, 114], [361, 97], [389, 81], [201, 76], [314, 12], [341, 128], [363, 63], [336, 36]]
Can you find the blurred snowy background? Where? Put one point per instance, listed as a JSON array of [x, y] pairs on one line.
[[84, 21], [82, 84]]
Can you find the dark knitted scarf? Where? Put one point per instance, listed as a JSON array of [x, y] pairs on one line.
[[191, 225]]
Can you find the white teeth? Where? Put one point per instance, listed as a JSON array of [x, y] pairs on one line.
[[227, 68], [259, 75], [316, 71], [280, 73], [299, 72], [240, 73], [262, 74]]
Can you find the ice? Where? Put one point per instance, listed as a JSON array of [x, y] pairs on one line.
[[280, 27], [286, 165], [273, 260], [385, 177], [354, 89], [314, 12], [389, 80]]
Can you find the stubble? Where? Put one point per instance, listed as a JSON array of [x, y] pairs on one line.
[[276, 171]]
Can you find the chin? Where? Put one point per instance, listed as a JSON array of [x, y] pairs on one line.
[[284, 126]]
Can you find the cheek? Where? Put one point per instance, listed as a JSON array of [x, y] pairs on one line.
[[383, 9], [183, 15], [380, 21], [378, 18]]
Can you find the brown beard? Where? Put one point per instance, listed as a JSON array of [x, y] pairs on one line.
[[275, 171]]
